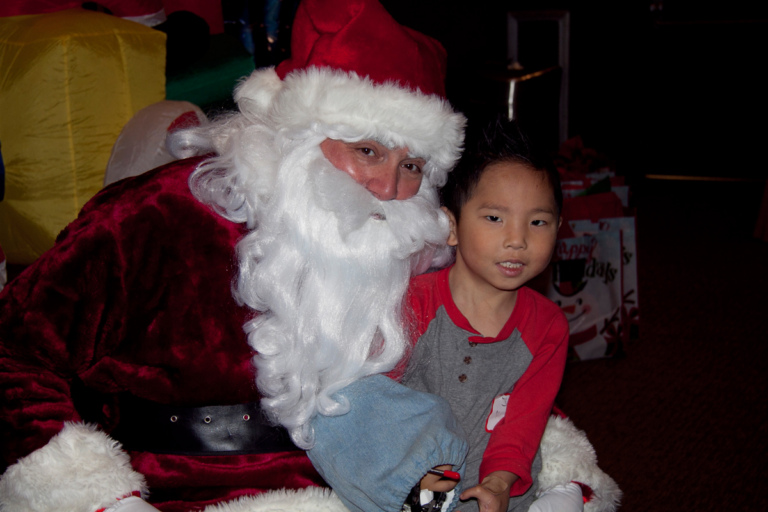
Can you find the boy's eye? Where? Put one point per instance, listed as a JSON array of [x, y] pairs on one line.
[[492, 218], [539, 222]]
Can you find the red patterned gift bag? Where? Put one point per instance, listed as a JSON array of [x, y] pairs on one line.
[[630, 304], [593, 274], [586, 283]]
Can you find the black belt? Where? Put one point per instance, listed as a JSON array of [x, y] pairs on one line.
[[211, 430]]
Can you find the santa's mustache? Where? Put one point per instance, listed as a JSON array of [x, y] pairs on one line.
[[355, 208], [336, 192]]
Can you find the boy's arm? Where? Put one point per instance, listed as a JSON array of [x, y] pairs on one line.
[[515, 439]]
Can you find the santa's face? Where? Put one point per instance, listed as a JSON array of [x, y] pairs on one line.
[[387, 173]]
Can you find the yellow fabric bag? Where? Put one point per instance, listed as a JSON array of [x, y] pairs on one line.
[[69, 82]]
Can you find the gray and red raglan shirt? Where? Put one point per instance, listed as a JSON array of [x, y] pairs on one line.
[[501, 389]]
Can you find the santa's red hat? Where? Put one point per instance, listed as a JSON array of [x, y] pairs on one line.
[[356, 73]]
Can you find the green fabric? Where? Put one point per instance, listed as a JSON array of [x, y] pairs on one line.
[[211, 79]]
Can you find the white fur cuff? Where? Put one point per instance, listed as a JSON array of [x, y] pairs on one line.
[[80, 470], [568, 456]]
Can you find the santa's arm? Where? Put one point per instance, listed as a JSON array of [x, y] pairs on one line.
[[57, 462], [55, 325]]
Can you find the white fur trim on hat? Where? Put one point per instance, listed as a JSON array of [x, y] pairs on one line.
[[568, 456], [311, 499], [80, 470], [346, 106]]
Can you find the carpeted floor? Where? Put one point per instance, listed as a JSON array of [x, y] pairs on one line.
[[680, 422]]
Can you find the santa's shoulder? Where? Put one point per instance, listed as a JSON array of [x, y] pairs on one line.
[[169, 179]]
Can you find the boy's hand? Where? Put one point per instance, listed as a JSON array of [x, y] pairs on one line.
[[493, 492], [437, 483]]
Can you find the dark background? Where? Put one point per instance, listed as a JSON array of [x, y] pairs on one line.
[[669, 87]]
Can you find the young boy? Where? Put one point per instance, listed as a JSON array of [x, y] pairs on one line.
[[494, 348]]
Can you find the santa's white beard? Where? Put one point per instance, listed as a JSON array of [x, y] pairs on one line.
[[328, 265]]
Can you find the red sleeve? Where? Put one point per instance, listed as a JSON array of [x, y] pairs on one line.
[[515, 440]]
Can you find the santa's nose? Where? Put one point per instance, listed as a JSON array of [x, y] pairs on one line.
[[382, 182]]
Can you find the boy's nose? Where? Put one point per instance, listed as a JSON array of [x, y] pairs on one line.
[[516, 238]]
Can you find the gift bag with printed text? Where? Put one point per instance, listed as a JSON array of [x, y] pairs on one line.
[[623, 229], [585, 281], [593, 275]]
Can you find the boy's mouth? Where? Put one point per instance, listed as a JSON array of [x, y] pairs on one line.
[[511, 264]]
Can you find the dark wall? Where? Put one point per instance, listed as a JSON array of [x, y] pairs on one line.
[[707, 103], [676, 90], [604, 44]]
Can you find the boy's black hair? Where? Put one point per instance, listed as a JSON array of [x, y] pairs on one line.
[[500, 140]]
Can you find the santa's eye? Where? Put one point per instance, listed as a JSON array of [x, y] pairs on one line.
[[412, 168], [367, 151]]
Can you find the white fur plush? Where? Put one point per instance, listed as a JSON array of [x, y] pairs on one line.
[[354, 107], [80, 470], [567, 455]]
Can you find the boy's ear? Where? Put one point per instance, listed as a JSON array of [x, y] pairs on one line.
[[453, 237]]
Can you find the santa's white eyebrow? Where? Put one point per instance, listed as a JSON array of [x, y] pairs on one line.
[[393, 146]]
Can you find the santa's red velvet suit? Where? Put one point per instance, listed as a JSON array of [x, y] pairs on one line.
[[106, 319]]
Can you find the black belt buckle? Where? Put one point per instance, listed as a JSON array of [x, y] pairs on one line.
[[210, 430]]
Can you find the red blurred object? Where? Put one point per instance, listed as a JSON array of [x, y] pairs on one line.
[[450, 475]]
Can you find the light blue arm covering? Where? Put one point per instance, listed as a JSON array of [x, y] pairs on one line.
[[374, 455]]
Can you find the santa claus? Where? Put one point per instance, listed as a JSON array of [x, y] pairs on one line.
[[126, 377]]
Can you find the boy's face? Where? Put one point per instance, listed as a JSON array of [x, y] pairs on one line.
[[508, 228]]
